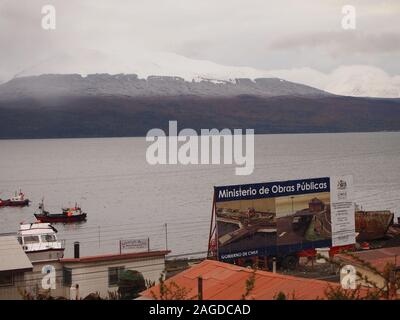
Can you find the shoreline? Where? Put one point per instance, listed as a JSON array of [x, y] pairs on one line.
[[256, 134]]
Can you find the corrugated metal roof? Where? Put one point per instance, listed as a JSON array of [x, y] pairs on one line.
[[113, 257], [223, 281], [12, 256], [378, 258]]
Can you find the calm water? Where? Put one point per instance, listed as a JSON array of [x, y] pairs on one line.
[[127, 198]]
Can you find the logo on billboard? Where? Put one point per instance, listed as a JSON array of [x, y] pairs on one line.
[[342, 185]]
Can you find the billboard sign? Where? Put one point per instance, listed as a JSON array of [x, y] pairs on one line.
[[265, 218]]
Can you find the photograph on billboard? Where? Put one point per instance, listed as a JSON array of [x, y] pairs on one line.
[[303, 218], [261, 219], [245, 225]]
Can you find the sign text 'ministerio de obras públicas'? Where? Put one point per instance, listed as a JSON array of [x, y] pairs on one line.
[[271, 189]]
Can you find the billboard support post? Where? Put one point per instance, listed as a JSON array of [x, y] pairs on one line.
[[166, 236], [211, 251]]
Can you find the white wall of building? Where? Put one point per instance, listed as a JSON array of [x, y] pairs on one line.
[[92, 277]]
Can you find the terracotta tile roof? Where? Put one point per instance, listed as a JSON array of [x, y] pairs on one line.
[[378, 258], [113, 257], [222, 281]]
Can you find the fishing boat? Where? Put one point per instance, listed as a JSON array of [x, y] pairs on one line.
[[39, 241], [17, 201], [68, 215]]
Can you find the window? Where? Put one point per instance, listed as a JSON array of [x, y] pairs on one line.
[[67, 277], [114, 274], [49, 238], [31, 239], [6, 278]]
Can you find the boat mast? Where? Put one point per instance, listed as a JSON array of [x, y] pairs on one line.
[[41, 206]]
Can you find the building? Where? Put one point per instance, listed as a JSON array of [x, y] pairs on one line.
[[223, 281], [60, 277], [14, 264], [101, 273], [377, 258]]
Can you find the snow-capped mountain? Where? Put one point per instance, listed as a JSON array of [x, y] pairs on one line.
[[75, 100], [361, 81], [355, 80]]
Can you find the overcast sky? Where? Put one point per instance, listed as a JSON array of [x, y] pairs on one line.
[[263, 34]]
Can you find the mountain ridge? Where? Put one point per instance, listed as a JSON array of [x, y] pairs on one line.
[[104, 105], [131, 85], [349, 80]]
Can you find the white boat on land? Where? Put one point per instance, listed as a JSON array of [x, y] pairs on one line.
[[39, 241]]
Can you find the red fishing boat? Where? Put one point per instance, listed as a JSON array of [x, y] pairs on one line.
[[68, 215], [17, 201]]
